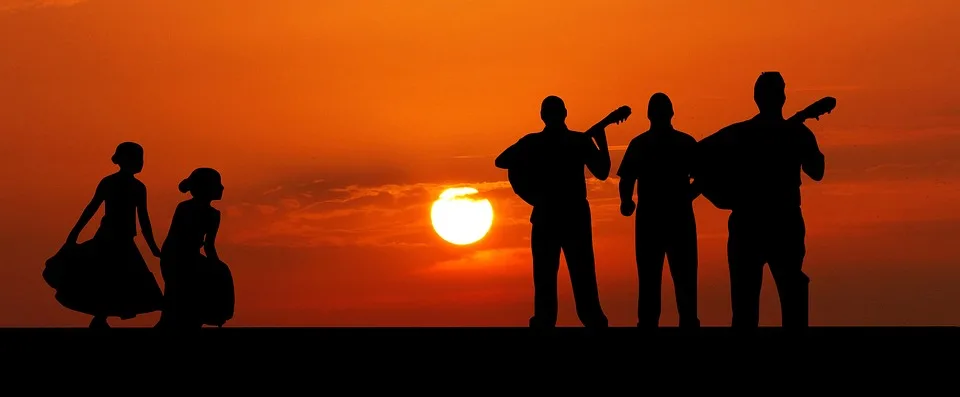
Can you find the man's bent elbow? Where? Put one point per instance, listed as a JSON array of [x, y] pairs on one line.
[[501, 163], [816, 173]]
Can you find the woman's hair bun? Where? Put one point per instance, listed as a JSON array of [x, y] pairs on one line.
[[184, 185]]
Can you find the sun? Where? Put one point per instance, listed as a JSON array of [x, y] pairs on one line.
[[459, 218]]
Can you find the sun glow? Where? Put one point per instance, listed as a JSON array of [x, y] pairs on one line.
[[459, 218]]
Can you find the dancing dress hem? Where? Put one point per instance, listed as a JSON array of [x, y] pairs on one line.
[[104, 277], [199, 291]]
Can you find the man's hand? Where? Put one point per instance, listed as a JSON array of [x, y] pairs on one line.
[[627, 207]]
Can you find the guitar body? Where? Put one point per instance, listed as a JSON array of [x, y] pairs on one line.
[[525, 177], [716, 174], [523, 181]]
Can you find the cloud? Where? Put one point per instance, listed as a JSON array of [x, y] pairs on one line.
[[309, 214], [13, 5], [485, 261], [827, 88]]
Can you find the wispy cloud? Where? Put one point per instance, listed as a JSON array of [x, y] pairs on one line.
[[486, 261], [13, 5], [390, 215]]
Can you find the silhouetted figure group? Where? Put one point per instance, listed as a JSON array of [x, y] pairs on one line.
[[107, 276], [751, 168]]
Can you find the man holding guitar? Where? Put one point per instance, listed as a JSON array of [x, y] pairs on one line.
[[752, 168], [546, 169]]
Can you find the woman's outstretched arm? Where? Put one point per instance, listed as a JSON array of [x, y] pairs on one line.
[[87, 214], [145, 225], [209, 244]]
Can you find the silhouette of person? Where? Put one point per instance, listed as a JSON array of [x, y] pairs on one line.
[[106, 275], [766, 224], [658, 163], [552, 162], [198, 289]]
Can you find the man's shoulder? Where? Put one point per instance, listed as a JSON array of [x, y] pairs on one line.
[[800, 128], [570, 137], [684, 136], [528, 140], [578, 135], [731, 131], [528, 137], [743, 125], [638, 140]]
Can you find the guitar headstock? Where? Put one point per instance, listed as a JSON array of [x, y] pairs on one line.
[[823, 106], [618, 116]]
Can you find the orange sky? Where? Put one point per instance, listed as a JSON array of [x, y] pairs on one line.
[[336, 123]]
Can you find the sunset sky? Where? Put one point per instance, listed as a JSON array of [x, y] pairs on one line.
[[335, 124]]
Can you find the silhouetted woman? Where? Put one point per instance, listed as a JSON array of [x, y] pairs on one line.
[[198, 289], [106, 275]]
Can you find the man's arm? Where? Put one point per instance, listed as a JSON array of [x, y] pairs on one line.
[[692, 161], [510, 157], [628, 180], [812, 160], [598, 156]]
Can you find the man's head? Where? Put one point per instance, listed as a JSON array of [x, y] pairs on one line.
[[769, 92], [660, 109], [552, 111]]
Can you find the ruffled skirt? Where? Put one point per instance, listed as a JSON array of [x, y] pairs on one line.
[[197, 291], [103, 277]]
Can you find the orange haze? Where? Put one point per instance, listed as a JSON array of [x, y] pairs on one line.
[[336, 123]]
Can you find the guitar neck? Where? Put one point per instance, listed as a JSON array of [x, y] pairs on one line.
[[799, 117]]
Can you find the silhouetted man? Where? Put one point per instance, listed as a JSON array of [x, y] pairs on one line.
[[659, 162], [766, 224], [547, 171]]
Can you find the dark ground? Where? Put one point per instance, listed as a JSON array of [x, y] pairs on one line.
[[441, 341], [372, 358]]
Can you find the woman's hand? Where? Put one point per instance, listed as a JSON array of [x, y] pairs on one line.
[[70, 243], [71, 240]]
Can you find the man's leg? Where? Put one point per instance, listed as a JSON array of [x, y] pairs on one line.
[[786, 264], [650, 253], [746, 261], [545, 246], [581, 264], [682, 256]]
